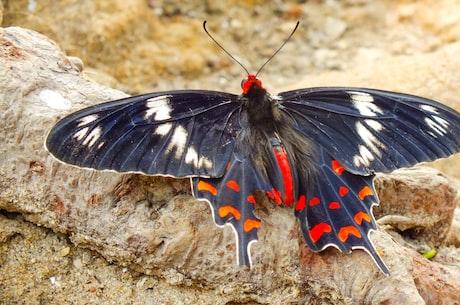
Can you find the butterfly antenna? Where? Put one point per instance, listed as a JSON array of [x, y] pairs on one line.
[[223, 49], [279, 49]]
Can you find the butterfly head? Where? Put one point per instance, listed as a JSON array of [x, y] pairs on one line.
[[250, 82]]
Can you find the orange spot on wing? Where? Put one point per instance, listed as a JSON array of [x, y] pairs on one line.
[[343, 191], [206, 187], [334, 205], [360, 216], [317, 231], [337, 167], [228, 166], [250, 224], [251, 199], [364, 192], [346, 231], [314, 201], [300, 204], [233, 185], [228, 209]]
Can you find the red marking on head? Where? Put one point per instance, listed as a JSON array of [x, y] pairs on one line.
[[334, 205], [233, 185], [343, 191], [364, 192], [300, 204], [337, 167], [250, 224], [206, 187], [344, 232], [251, 199], [360, 216], [228, 209], [314, 201], [249, 82], [317, 231]]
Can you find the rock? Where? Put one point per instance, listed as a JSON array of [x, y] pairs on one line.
[[152, 225], [409, 205]]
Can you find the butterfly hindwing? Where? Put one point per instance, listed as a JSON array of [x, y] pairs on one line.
[[176, 133], [232, 201], [335, 209], [372, 130]]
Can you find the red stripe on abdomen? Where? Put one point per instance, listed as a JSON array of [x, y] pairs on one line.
[[286, 172]]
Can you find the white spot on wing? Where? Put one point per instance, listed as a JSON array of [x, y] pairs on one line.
[[372, 147], [87, 119], [375, 125], [158, 108], [364, 103], [191, 157], [81, 134], [163, 129], [365, 157], [54, 99], [93, 136], [438, 125], [178, 141], [429, 108]]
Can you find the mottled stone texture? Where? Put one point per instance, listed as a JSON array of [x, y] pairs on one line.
[[166, 239]]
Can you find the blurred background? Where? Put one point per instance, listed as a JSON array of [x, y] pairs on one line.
[[144, 45]]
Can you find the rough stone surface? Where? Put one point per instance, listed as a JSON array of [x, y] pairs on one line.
[[67, 234], [411, 207]]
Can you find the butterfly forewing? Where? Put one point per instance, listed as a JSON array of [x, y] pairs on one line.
[[372, 130], [176, 133]]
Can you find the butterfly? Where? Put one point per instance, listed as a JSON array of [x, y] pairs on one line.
[[315, 149]]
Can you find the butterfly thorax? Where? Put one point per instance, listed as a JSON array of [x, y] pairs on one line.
[[263, 136], [258, 104]]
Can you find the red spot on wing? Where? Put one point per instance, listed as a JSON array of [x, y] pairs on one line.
[[275, 195], [343, 191], [344, 232], [314, 201], [360, 216], [300, 204], [250, 224], [364, 192], [337, 167], [228, 166], [206, 187], [233, 185], [318, 230], [228, 209], [251, 199], [334, 205]]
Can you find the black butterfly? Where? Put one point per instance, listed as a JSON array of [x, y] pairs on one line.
[[315, 149]]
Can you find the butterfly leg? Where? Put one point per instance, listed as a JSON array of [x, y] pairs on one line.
[[232, 202]]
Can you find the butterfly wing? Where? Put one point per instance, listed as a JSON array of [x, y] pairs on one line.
[[231, 198], [336, 208], [356, 132], [175, 133], [372, 130]]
